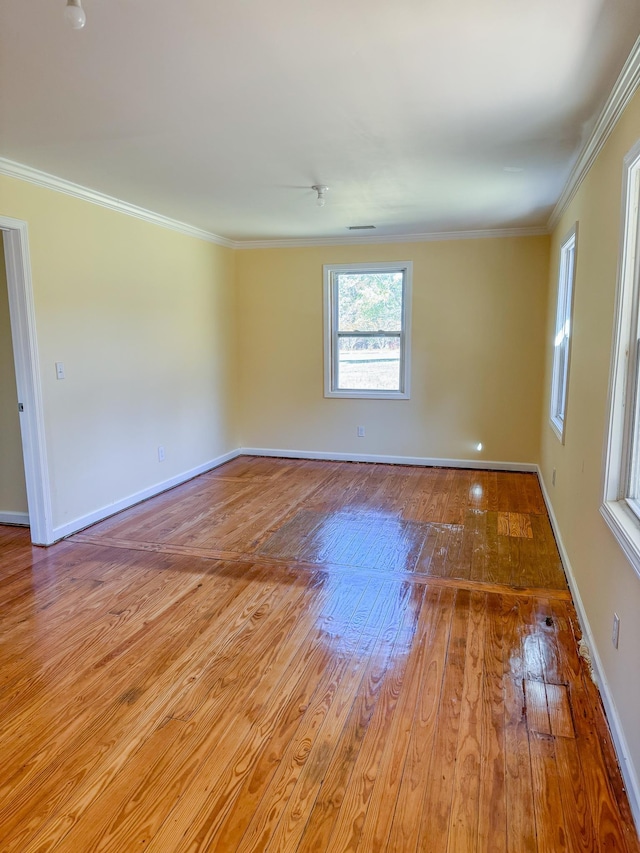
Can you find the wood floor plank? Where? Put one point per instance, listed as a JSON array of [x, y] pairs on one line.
[[297, 655], [381, 811], [280, 827], [420, 762], [492, 804], [160, 785], [207, 806], [607, 804], [521, 831], [537, 710], [463, 825], [550, 822], [345, 834], [329, 689], [575, 806], [46, 778], [379, 644], [435, 815], [92, 677]]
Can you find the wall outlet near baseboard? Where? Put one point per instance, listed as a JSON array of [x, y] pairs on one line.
[[360, 432], [160, 454], [615, 631]]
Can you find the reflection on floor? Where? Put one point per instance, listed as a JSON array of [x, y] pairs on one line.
[[297, 656], [483, 526]]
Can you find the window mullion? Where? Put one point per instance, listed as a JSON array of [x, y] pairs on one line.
[[378, 334], [335, 363]]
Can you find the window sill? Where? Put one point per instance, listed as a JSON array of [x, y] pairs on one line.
[[368, 395], [558, 429], [625, 526]]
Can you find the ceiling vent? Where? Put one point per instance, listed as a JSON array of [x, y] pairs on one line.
[[361, 227]]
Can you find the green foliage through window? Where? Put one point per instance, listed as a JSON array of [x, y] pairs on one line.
[[367, 325], [370, 302]]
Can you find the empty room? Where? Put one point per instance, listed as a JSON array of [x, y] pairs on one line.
[[319, 426]]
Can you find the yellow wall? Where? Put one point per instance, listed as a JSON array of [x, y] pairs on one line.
[[479, 310], [605, 579], [13, 493], [170, 340], [143, 319]]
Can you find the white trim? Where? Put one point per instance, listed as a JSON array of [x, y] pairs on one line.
[[117, 506], [565, 291], [622, 92], [330, 331], [625, 526], [27, 364], [426, 237], [84, 521], [624, 357], [21, 519], [629, 774], [12, 169], [51, 182], [422, 461]]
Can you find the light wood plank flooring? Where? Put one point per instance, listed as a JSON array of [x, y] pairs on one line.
[[304, 656]]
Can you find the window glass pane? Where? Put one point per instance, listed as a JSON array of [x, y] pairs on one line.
[[560, 375], [558, 408], [633, 484], [369, 302], [368, 363]]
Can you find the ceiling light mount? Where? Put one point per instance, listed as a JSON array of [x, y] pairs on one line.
[[321, 189], [74, 13]]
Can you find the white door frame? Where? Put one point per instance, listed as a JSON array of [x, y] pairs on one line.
[[27, 364]]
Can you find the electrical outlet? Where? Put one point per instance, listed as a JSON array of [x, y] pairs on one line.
[[553, 477], [615, 631], [161, 454], [59, 370], [360, 432]]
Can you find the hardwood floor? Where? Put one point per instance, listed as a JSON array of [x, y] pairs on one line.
[[304, 656]]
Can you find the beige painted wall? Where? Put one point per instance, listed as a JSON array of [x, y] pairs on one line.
[[13, 492], [479, 310], [143, 319], [605, 579]]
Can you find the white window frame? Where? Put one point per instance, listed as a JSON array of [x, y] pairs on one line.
[[330, 272], [621, 512], [563, 333]]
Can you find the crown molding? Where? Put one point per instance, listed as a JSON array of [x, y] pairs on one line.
[[429, 237], [51, 182], [624, 89]]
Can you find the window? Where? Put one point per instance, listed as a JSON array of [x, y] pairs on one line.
[[621, 505], [560, 375], [367, 318]]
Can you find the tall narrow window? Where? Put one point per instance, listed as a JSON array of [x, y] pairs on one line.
[[621, 505], [560, 375], [367, 330]]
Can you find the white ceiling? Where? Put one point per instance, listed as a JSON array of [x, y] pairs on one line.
[[222, 113]]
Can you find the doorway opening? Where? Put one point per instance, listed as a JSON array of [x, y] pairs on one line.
[[27, 378]]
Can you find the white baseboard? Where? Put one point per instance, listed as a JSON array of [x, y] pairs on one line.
[[21, 519], [629, 774], [80, 523], [104, 512], [388, 460], [620, 743]]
